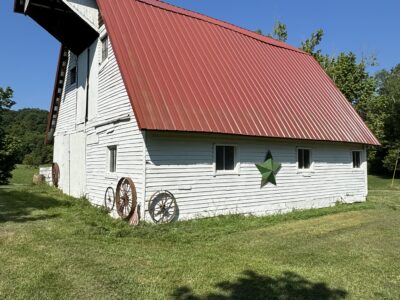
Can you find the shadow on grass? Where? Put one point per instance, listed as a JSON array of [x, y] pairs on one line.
[[19, 206], [254, 286]]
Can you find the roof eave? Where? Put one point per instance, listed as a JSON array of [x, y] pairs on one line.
[[277, 138], [19, 6], [61, 21], [56, 98]]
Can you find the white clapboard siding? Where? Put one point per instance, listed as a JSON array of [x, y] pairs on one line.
[[67, 114], [115, 125], [183, 164], [66, 125], [87, 9], [70, 136], [61, 157], [111, 122]]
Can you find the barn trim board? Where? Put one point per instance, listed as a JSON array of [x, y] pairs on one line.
[[164, 101]]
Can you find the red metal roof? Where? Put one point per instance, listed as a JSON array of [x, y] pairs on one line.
[[187, 72]]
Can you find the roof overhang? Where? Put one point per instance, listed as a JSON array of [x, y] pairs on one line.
[[61, 21], [57, 92]]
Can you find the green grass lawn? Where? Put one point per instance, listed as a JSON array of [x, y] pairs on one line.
[[23, 175], [56, 247]]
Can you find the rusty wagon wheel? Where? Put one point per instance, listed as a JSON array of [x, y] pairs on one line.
[[109, 199], [126, 198], [163, 207], [55, 174]]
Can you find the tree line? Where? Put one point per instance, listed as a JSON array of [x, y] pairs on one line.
[[21, 136]]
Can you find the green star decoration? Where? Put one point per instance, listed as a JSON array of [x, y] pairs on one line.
[[268, 170]]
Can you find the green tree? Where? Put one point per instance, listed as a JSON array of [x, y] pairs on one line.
[[349, 74], [41, 154], [383, 115], [353, 79], [310, 44], [29, 125], [9, 146], [280, 32], [6, 101]]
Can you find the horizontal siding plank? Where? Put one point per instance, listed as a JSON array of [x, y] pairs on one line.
[[184, 166]]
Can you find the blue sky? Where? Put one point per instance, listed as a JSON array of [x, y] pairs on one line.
[[28, 54]]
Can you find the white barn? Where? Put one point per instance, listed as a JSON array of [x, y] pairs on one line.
[[187, 104]]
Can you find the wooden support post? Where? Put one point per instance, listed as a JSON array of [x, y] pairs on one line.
[[395, 169]]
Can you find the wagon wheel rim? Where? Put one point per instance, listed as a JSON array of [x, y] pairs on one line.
[[126, 198], [163, 208], [109, 199], [55, 174]]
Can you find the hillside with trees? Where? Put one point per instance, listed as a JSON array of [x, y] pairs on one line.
[[29, 126]]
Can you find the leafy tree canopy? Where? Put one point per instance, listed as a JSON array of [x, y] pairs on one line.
[[279, 32], [6, 101], [29, 125], [9, 146], [310, 44], [383, 117]]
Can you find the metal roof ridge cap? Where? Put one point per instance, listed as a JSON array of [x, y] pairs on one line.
[[229, 26]]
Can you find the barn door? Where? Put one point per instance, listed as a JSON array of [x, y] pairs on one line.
[[64, 165], [77, 164]]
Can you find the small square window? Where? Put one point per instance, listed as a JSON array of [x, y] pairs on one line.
[[304, 158], [356, 159], [104, 48], [72, 75], [225, 158], [112, 154]]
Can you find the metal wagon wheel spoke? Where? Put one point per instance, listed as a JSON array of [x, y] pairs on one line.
[[109, 199], [163, 207], [126, 198]]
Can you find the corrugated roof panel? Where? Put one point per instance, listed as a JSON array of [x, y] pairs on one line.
[[187, 72]]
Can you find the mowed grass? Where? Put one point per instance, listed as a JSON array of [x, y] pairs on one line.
[[23, 175], [56, 247]]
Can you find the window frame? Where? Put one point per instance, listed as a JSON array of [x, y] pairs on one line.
[[310, 169], [103, 38], [71, 83], [236, 161], [110, 150], [360, 160]]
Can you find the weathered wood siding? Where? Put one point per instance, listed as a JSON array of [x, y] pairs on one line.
[[111, 122], [183, 164], [66, 125], [66, 121], [87, 9], [115, 124]]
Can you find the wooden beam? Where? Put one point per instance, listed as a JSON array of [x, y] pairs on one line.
[[395, 169]]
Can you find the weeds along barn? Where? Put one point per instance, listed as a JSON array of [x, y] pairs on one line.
[[198, 116]]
